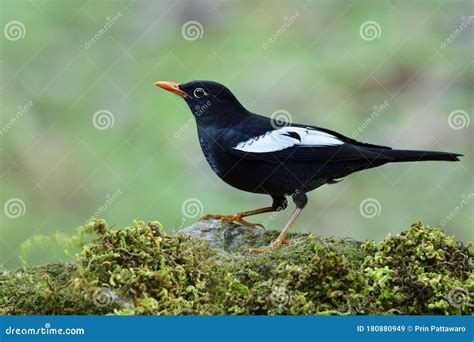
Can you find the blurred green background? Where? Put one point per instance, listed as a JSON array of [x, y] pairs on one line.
[[381, 71]]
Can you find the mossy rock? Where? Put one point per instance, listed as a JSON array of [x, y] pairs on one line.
[[206, 269]]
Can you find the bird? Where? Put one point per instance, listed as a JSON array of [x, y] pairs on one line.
[[262, 155]]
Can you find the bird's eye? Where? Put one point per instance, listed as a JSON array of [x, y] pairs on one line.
[[199, 92]]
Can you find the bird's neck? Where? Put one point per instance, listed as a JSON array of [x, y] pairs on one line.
[[223, 117]]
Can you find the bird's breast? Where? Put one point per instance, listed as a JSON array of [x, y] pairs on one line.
[[212, 159], [212, 153]]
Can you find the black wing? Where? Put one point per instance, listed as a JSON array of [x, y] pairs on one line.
[[267, 142]]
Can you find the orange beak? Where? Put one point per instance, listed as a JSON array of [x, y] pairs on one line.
[[171, 86]]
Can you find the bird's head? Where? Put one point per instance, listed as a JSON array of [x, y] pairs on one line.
[[208, 100]]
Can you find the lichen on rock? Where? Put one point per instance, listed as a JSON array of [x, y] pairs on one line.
[[206, 269]]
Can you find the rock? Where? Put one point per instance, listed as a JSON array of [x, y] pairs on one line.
[[229, 237]]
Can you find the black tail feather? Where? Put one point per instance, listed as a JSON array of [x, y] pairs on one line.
[[413, 155]]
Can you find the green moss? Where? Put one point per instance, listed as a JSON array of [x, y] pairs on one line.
[[420, 271], [311, 276], [142, 270], [41, 290]]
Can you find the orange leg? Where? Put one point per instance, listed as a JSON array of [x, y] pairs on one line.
[[239, 217], [281, 239]]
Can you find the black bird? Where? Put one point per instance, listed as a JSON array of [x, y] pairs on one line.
[[257, 154]]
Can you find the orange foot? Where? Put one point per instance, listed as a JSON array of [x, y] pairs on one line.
[[275, 244], [231, 218]]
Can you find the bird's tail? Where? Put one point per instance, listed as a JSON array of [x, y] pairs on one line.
[[413, 155]]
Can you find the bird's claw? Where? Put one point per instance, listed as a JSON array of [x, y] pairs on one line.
[[242, 221], [209, 216], [231, 218], [274, 245]]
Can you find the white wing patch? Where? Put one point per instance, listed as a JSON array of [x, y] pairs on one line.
[[286, 137]]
